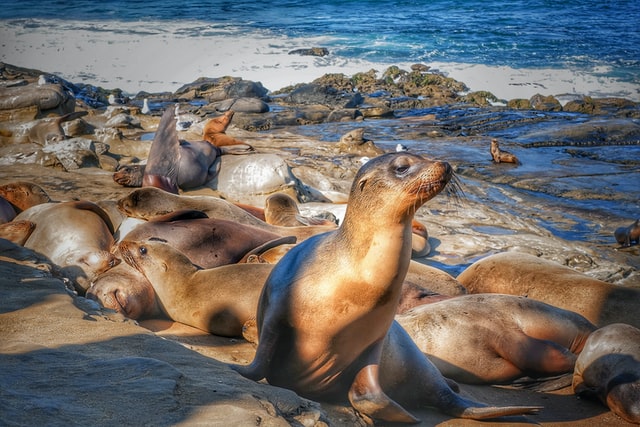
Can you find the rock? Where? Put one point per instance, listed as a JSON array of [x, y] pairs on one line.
[[123, 120], [545, 103], [73, 154], [218, 89], [313, 51], [314, 93], [242, 105], [519, 104]]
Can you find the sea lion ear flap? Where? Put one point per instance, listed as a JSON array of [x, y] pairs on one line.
[[361, 184]]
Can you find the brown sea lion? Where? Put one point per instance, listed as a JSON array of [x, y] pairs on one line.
[[326, 313], [609, 369], [207, 243], [281, 209], [17, 231], [516, 273], [628, 235], [49, 130], [77, 236], [149, 202], [495, 339], [217, 300], [22, 195], [214, 133], [500, 156]]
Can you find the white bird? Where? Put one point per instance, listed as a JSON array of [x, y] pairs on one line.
[[145, 107], [401, 147], [181, 124], [116, 101]]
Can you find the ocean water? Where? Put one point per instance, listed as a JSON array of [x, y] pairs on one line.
[[588, 47]]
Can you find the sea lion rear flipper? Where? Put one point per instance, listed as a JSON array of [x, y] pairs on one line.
[[237, 149], [164, 156], [367, 397], [286, 240]]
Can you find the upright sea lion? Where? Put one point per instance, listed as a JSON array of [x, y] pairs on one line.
[[522, 274], [22, 195], [500, 156], [609, 369], [326, 313], [217, 300], [495, 339], [214, 133], [149, 202], [627, 235], [77, 236]]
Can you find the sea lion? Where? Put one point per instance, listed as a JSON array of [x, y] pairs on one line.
[[17, 231], [420, 246], [500, 156], [22, 195], [609, 369], [207, 243], [149, 202], [628, 235], [522, 274], [325, 316], [214, 133], [281, 209], [77, 236], [7, 212], [495, 339], [217, 300], [49, 130], [174, 163]]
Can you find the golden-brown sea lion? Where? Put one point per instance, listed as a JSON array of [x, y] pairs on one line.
[[214, 133], [17, 231], [495, 338], [628, 235], [609, 369], [22, 195], [281, 209], [326, 313], [77, 236], [217, 300], [149, 202], [500, 156], [522, 274]]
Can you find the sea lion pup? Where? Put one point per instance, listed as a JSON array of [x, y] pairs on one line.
[[325, 316], [500, 156], [217, 300], [214, 133], [22, 195], [627, 235], [149, 202], [517, 273], [77, 236], [609, 369], [281, 209], [174, 163], [495, 339]]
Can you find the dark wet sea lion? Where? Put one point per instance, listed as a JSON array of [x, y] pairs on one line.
[[217, 300], [628, 235], [609, 369], [495, 338], [326, 313], [7, 212], [516, 273]]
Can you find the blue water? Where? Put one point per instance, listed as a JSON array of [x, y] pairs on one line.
[[595, 36]]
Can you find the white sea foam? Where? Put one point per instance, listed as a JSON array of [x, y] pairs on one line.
[[161, 56]]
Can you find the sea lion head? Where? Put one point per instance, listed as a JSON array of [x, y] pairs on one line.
[[400, 181], [146, 203], [22, 195]]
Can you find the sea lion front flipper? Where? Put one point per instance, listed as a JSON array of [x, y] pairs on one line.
[[367, 397], [164, 156]]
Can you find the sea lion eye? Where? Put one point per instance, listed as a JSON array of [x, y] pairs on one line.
[[402, 169], [143, 250]]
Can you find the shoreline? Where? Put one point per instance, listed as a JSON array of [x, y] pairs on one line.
[[151, 57]]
